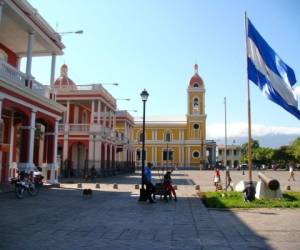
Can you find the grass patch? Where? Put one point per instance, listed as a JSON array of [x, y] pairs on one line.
[[236, 200]]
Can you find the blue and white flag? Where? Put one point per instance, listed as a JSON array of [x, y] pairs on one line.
[[266, 69]]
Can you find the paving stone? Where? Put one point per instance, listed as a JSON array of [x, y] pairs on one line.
[[114, 219]]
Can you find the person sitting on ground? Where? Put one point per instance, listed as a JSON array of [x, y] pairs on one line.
[[249, 192], [147, 179], [168, 184]]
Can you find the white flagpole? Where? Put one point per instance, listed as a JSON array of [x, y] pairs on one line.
[[249, 105], [225, 151]]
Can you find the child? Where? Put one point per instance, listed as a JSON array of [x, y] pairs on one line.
[[217, 179], [168, 184]]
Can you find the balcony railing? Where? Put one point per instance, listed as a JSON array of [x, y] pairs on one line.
[[86, 128], [73, 128], [84, 88], [11, 74]]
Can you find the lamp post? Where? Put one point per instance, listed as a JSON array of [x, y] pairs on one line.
[[112, 83], [123, 99], [144, 96], [71, 32]]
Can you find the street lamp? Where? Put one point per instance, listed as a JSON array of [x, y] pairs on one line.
[[113, 83], [123, 99], [71, 32], [143, 196]]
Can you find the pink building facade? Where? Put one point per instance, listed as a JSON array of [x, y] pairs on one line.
[[29, 114], [87, 133]]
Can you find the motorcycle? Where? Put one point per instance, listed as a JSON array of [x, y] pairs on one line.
[[27, 181]]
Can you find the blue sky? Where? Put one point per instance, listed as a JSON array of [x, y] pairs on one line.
[[154, 44]]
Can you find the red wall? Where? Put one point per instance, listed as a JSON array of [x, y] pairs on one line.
[[11, 56]]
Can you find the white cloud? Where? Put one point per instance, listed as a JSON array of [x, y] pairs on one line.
[[240, 129], [235, 129]]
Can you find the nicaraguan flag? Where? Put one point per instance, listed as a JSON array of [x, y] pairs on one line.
[[270, 73]]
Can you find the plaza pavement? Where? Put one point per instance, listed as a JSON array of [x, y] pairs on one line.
[[59, 218]]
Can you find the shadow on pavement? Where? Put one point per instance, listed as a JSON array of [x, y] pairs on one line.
[[62, 219]]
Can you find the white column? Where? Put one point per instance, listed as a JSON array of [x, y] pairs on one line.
[[105, 114], [105, 158], [189, 156], [31, 138], [11, 140], [99, 112], [68, 112], [152, 156], [110, 119], [55, 142], [155, 154], [114, 120], [66, 148], [125, 130], [1, 100], [93, 112], [53, 166], [29, 54], [179, 155], [91, 148], [97, 152], [125, 149], [52, 75], [1, 9], [110, 155], [18, 66]]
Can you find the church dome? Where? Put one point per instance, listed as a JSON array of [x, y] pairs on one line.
[[196, 80], [63, 80]]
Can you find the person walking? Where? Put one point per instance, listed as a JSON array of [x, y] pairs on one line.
[[292, 174], [168, 184], [148, 182], [217, 179], [228, 180]]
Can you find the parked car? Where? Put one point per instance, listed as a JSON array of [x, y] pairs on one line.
[[243, 166]]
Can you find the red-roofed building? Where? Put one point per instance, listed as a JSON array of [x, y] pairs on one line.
[[87, 133], [29, 115]]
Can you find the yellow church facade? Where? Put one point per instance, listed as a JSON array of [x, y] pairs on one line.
[[175, 143]]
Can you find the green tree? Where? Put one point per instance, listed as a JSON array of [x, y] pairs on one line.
[[283, 156], [254, 145], [263, 155], [295, 149]]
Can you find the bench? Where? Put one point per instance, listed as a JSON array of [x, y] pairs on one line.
[[161, 191]]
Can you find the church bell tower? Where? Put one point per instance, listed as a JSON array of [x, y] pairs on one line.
[[196, 119]]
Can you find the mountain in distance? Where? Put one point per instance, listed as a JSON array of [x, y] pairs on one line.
[[270, 140]]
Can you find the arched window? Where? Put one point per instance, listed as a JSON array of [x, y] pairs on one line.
[[141, 137], [196, 85], [138, 155], [168, 137], [196, 103]]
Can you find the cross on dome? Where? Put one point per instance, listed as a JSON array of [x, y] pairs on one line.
[[196, 68]]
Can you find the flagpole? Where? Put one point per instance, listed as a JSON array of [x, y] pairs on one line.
[[249, 105], [225, 151]]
